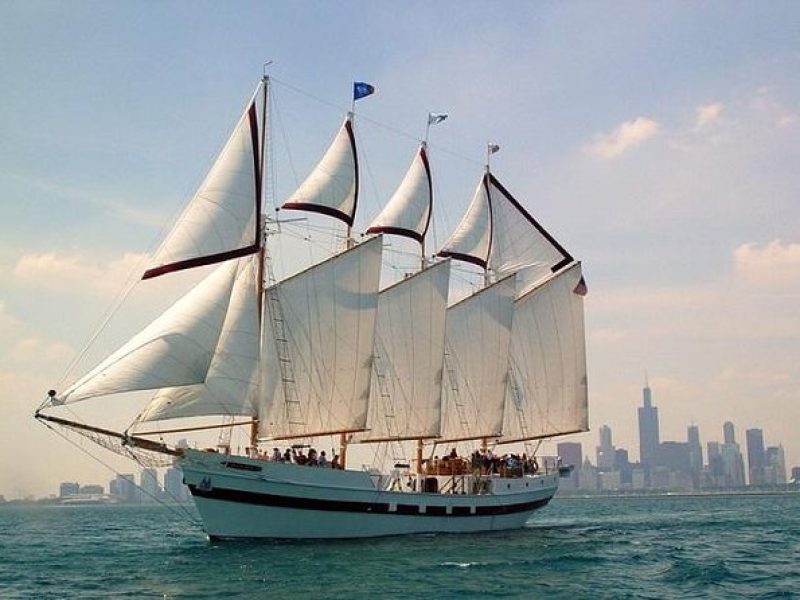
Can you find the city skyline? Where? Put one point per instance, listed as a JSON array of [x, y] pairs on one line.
[[677, 465]]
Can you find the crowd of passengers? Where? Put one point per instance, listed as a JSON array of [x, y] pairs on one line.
[[312, 459], [486, 462]]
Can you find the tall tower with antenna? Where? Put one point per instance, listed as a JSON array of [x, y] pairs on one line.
[[648, 429]]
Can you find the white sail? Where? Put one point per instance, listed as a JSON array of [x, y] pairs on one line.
[[408, 212], [520, 243], [547, 393], [175, 349], [471, 240], [231, 383], [476, 362], [405, 395], [332, 187], [317, 346], [220, 222]]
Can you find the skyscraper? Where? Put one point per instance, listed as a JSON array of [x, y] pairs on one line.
[[149, 484], [776, 466], [648, 430], [695, 454], [605, 451], [756, 458], [727, 432], [173, 485]]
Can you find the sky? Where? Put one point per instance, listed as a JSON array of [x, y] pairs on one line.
[[658, 142]]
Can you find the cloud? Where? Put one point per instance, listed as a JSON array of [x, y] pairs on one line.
[[75, 272], [628, 135], [707, 114], [119, 207], [775, 264], [7, 321], [31, 349]]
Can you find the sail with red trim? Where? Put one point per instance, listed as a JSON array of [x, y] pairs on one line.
[[221, 221], [408, 212], [472, 238], [498, 234], [332, 186]]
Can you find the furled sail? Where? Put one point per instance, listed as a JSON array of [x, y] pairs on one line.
[[231, 382], [317, 346], [174, 350], [405, 395], [472, 238], [547, 393], [332, 187], [476, 362], [408, 212], [221, 221]]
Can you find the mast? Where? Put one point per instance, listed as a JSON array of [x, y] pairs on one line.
[[262, 234]]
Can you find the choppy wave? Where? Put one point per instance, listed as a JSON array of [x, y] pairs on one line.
[[722, 547]]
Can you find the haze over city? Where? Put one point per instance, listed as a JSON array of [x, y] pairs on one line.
[[660, 145]]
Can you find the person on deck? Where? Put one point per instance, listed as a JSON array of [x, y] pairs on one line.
[[323, 460]]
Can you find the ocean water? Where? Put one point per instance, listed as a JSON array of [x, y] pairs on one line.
[[668, 547]]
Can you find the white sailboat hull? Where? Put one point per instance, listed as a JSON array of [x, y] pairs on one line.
[[242, 498]]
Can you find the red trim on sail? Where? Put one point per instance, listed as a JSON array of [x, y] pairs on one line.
[[567, 256], [200, 261], [349, 126], [253, 118], [465, 257], [327, 210], [410, 233], [211, 259], [318, 208], [423, 155]]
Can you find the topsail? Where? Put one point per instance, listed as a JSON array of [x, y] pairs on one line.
[[222, 219]]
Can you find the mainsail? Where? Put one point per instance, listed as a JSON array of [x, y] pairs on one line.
[[405, 396], [332, 186], [547, 392], [476, 359], [222, 219], [317, 346]]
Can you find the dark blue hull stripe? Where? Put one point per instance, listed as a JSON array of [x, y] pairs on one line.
[[259, 499]]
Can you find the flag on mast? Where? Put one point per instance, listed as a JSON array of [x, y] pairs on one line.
[[434, 118], [362, 90], [493, 148]]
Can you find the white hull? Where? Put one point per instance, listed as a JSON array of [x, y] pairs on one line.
[[242, 498]]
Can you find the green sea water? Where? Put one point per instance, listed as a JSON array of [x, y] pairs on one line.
[[664, 547]]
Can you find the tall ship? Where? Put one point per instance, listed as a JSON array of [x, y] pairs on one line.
[[324, 364]]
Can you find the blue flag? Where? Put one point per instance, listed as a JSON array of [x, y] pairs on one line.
[[362, 90]]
